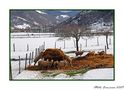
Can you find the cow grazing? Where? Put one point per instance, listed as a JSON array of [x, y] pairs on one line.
[[79, 53]]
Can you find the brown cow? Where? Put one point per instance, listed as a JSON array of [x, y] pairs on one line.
[[51, 54], [38, 57], [79, 53], [43, 65]]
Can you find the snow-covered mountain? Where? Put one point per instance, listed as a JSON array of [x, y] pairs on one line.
[[44, 19], [37, 19], [30, 19], [41, 12], [95, 19], [61, 18]]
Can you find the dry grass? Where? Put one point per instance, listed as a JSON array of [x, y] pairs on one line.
[[95, 61], [32, 67]]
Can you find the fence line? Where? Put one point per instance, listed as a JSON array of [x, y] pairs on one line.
[[32, 56], [105, 48], [55, 44], [64, 44], [26, 61], [29, 56], [97, 41], [42, 47], [14, 47], [19, 65], [109, 41], [80, 47], [29, 59], [35, 52], [74, 43], [86, 42], [27, 47]]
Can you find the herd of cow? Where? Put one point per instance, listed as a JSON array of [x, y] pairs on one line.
[[56, 59], [52, 59]]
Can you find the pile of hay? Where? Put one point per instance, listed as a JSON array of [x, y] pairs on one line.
[[91, 60], [94, 60]]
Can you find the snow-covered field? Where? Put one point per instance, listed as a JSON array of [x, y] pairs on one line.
[[34, 40], [52, 42], [15, 67], [95, 74]]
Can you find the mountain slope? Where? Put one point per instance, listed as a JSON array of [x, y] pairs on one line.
[[89, 17], [38, 19]]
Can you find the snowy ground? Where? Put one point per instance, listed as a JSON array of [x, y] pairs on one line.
[[50, 41], [15, 67], [99, 74], [95, 74], [35, 40]]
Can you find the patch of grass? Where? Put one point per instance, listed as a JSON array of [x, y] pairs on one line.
[[50, 74], [54, 74], [74, 72], [46, 73]]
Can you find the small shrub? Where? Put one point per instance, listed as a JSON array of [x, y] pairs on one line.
[[54, 74], [74, 72]]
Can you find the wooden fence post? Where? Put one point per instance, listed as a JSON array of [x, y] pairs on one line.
[[36, 52], [19, 65], [109, 41], [80, 47], [86, 42], [26, 60], [55, 44], [97, 41], [32, 56], [27, 47], [74, 43], [44, 45], [40, 48], [29, 59], [105, 49], [14, 47], [64, 44]]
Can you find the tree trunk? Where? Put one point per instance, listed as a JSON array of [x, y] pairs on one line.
[[107, 41], [77, 48]]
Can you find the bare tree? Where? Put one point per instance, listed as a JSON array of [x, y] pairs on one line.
[[107, 34], [72, 30]]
